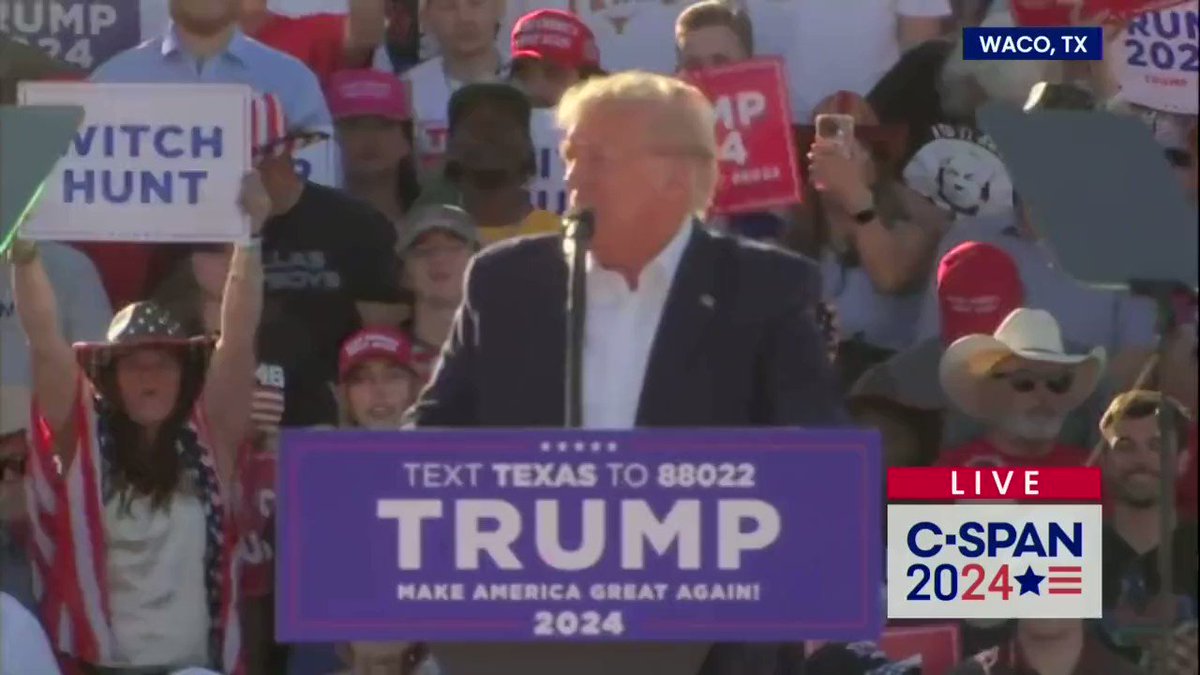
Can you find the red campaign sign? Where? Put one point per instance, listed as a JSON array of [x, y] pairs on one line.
[[1061, 12], [937, 644], [757, 147]]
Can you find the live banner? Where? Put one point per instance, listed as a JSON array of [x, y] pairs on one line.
[[1081, 12], [552, 535], [760, 168], [151, 162], [1015, 543]]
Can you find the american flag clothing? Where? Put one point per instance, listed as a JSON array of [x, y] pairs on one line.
[[66, 507], [255, 505], [269, 132], [254, 490], [267, 403]]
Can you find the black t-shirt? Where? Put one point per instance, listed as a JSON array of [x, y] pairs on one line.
[[330, 251], [947, 158], [1130, 587]]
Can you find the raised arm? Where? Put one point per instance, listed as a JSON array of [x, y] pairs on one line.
[[229, 384], [896, 249], [55, 372], [365, 26]]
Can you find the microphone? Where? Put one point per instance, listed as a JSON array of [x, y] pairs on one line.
[[578, 227]]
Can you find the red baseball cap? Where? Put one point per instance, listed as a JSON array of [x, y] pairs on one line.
[[555, 35], [371, 343], [368, 93], [978, 285]]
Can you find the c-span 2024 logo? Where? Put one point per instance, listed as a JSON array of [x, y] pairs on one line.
[[1017, 543]]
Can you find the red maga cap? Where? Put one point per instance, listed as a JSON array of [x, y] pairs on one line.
[[373, 343], [555, 35]]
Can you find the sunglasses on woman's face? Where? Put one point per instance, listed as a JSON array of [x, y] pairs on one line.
[[1024, 381]]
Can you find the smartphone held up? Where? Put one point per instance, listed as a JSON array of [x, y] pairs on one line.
[[837, 128]]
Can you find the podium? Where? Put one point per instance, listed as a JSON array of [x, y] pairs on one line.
[[517, 552]]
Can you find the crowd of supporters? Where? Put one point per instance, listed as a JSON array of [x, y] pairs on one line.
[[953, 328]]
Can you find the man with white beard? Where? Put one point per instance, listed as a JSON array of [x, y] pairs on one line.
[[1021, 384]]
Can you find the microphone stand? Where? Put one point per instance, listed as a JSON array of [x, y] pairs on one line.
[[1162, 293], [577, 241]]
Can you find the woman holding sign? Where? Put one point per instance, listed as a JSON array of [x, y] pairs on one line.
[[133, 459]]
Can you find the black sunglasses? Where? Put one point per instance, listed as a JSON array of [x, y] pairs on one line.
[[1024, 381]]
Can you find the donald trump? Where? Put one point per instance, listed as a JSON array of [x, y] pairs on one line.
[[684, 327]]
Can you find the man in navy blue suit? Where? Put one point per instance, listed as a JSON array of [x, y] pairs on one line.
[[684, 327]]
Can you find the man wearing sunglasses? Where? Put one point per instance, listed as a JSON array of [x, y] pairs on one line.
[[1021, 384]]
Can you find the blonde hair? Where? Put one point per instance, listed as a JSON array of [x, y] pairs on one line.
[[684, 121]]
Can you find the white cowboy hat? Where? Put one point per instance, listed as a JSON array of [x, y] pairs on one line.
[[14, 409], [1031, 334]]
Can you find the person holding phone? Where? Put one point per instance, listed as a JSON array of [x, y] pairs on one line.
[[876, 239]]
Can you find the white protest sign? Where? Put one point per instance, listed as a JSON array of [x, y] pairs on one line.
[[1160, 59], [151, 162], [548, 190]]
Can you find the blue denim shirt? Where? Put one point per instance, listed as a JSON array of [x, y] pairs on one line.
[[244, 61]]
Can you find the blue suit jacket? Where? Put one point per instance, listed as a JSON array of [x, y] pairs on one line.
[[738, 343]]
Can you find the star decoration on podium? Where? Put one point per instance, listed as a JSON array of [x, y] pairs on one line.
[[1030, 581]]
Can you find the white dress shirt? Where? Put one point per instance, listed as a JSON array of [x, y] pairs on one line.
[[619, 333]]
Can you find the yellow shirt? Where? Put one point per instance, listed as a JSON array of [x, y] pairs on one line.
[[537, 222]]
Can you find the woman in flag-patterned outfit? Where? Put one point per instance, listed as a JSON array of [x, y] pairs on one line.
[[134, 444]]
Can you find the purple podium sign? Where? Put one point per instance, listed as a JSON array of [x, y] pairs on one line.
[[557, 535]]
